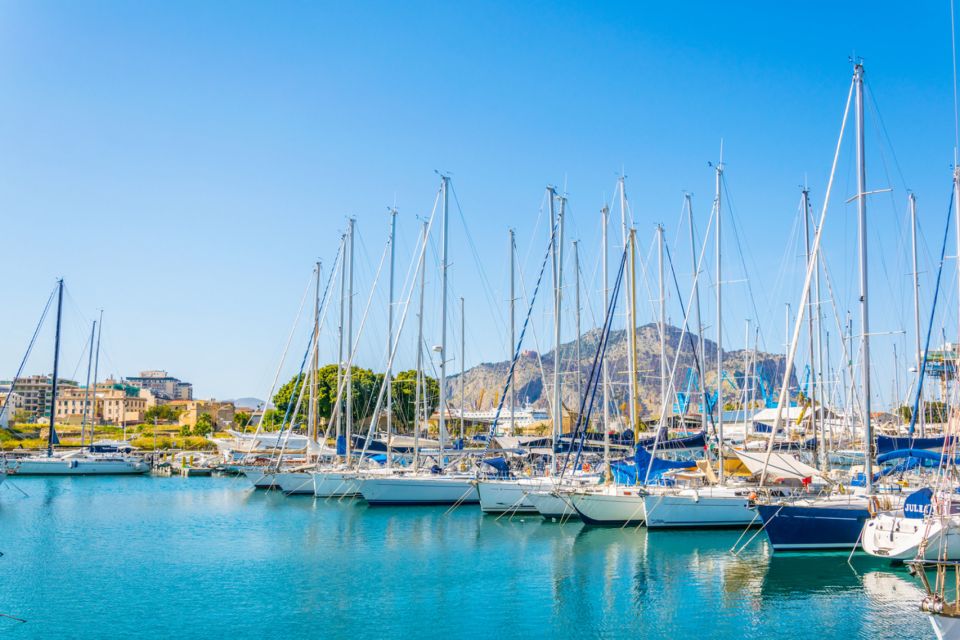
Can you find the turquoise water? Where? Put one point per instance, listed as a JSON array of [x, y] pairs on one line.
[[206, 557]]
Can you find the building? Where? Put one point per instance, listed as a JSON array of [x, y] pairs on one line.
[[113, 403], [10, 402], [34, 392], [221, 412], [162, 385]]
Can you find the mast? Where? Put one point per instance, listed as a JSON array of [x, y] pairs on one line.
[[916, 306], [389, 373], [445, 182], [348, 429], [96, 372], [463, 356], [557, 310], [631, 320], [418, 397], [633, 334], [663, 321], [719, 320], [52, 435], [702, 356], [817, 426], [576, 298], [340, 361], [821, 389], [513, 331], [86, 393], [315, 362], [605, 217], [864, 303], [746, 370]]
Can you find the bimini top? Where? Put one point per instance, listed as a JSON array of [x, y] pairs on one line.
[[782, 466]]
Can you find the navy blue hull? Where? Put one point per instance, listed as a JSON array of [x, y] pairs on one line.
[[807, 528]]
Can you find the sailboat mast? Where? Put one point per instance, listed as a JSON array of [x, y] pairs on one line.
[[817, 426], [864, 303], [315, 362], [719, 178], [916, 305], [96, 373], [631, 321], [463, 368], [821, 388], [576, 302], [419, 398], [389, 373], [557, 310], [86, 393], [513, 332], [604, 218], [348, 428], [702, 356], [52, 435], [340, 361], [444, 187], [663, 319]]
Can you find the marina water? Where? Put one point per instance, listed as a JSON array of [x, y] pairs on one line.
[[126, 557]]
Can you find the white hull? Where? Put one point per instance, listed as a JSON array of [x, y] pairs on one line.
[[945, 628], [899, 538], [699, 508], [78, 466], [610, 507], [260, 477], [552, 505], [295, 482], [419, 490], [335, 484], [506, 496]]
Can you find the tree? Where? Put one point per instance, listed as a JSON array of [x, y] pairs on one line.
[[204, 426], [161, 413], [185, 430], [366, 385], [935, 412], [241, 419], [405, 395]]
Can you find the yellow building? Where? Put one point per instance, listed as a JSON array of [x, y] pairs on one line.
[[113, 403], [221, 412]]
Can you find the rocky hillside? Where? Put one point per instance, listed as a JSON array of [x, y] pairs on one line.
[[483, 384]]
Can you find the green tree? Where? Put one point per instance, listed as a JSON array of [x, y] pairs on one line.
[[366, 385], [405, 395], [161, 413], [241, 419], [185, 430], [204, 426]]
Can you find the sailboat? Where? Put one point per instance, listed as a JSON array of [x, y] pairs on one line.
[[73, 463]]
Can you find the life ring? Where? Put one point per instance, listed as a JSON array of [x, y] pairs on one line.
[[586, 466]]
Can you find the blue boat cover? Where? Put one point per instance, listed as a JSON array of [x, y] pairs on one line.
[[626, 473], [892, 443], [341, 445], [921, 454], [917, 504], [500, 465]]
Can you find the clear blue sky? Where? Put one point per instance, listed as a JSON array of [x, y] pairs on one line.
[[182, 164]]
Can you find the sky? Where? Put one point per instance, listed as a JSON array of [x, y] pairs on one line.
[[182, 166]]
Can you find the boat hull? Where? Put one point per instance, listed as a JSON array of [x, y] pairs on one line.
[[78, 467], [899, 538], [609, 510], [505, 496], [295, 483], [260, 477], [552, 505], [698, 509], [335, 484], [810, 528], [402, 491]]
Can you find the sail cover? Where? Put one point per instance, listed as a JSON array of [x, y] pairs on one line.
[[892, 443], [782, 466]]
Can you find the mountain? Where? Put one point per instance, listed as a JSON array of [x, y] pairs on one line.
[[247, 403], [483, 384]]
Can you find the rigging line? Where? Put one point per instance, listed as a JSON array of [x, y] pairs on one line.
[[26, 356], [594, 381], [690, 340], [523, 330], [936, 294], [746, 272], [953, 60], [536, 339], [296, 322]]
